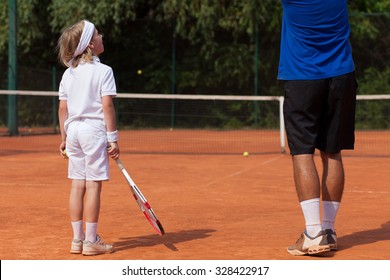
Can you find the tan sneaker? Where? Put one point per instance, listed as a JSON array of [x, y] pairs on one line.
[[76, 246], [307, 245], [332, 239], [99, 247]]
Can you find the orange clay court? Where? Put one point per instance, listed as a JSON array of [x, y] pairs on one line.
[[212, 206]]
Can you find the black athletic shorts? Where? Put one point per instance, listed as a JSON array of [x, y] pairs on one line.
[[320, 114]]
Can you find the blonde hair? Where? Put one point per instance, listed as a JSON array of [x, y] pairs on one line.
[[67, 45]]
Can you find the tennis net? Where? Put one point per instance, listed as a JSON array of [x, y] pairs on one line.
[[201, 124]]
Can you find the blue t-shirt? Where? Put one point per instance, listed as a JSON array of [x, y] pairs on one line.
[[315, 40]]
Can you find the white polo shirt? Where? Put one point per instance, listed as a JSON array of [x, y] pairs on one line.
[[83, 88]]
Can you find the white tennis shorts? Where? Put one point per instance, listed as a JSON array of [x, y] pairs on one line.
[[86, 147]]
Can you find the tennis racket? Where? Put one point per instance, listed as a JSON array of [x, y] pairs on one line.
[[141, 200]]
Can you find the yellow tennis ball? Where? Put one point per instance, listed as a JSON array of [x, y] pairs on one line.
[[65, 154], [139, 72], [245, 154]]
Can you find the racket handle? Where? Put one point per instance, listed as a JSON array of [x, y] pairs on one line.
[[119, 163]]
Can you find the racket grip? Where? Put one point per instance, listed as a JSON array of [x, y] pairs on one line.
[[119, 163]]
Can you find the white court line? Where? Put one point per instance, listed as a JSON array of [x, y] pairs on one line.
[[369, 192], [242, 171], [23, 184]]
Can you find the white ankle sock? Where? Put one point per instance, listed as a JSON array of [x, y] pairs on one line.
[[91, 231], [329, 209], [311, 212], [78, 230]]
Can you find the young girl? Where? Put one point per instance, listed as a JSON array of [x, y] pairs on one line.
[[88, 127]]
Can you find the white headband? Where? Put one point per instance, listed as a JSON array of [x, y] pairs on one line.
[[85, 39]]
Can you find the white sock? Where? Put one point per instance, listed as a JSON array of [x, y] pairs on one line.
[[329, 209], [78, 230], [311, 212], [91, 231]]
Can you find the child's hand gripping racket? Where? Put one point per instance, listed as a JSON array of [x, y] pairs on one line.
[[141, 200]]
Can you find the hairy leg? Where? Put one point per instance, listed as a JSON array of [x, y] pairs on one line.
[[306, 178], [308, 190], [332, 177], [76, 200]]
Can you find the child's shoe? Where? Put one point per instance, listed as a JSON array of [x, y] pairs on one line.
[[99, 247], [76, 247]]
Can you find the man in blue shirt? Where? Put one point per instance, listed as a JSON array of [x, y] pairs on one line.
[[319, 109]]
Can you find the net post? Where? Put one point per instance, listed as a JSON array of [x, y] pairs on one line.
[[12, 117], [281, 125], [55, 98], [256, 71], [173, 83]]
